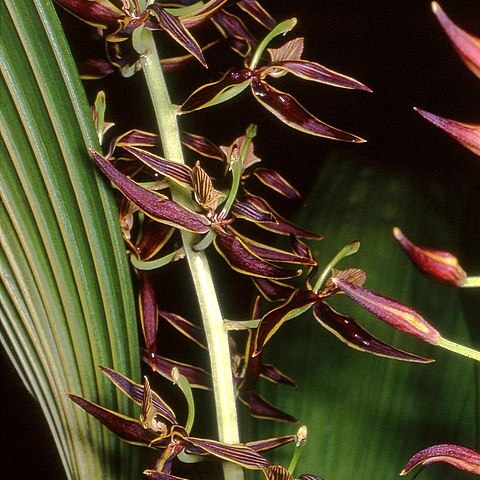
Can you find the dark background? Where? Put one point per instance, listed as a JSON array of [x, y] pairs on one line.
[[396, 48]]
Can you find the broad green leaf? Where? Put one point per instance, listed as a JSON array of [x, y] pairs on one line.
[[66, 302], [367, 415]]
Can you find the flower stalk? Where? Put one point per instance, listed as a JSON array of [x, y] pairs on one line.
[[216, 333]]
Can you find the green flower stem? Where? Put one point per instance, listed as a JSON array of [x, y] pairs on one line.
[[216, 333], [460, 349], [472, 282]]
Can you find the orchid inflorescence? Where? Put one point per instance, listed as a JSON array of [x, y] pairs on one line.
[[213, 198]]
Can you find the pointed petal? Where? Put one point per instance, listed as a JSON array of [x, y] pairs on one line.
[[154, 237], [251, 212], [256, 11], [270, 443], [298, 303], [99, 13], [201, 145], [95, 68], [134, 138], [174, 27], [277, 472], [317, 73], [273, 291], [239, 454], [134, 391], [202, 14], [396, 314], [230, 85], [243, 260], [460, 457], [289, 111], [307, 476], [191, 331], [196, 376], [348, 331], [232, 27], [275, 181], [260, 408], [274, 375], [155, 206], [126, 428], [148, 312], [179, 173], [438, 264], [466, 45], [467, 134], [161, 476]]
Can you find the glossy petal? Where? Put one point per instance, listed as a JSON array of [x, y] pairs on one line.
[[201, 145], [298, 302], [191, 331], [134, 391], [274, 375], [232, 27], [126, 428], [154, 237], [239, 454], [148, 312], [179, 173], [155, 206], [243, 260], [467, 134], [275, 181], [251, 212], [99, 13], [438, 264], [174, 27], [231, 84], [394, 313], [466, 45], [317, 73], [270, 443], [460, 457], [256, 11], [346, 329], [196, 376], [273, 291], [290, 112], [260, 408]]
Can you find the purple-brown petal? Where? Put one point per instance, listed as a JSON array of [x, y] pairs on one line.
[[460, 457], [251, 212], [201, 145], [203, 13], [438, 264], [256, 11], [467, 134], [134, 391], [396, 314], [211, 93], [274, 375], [346, 329], [260, 408], [307, 476], [191, 331], [236, 453], [95, 68], [99, 14], [273, 291], [148, 312], [275, 181], [243, 260], [197, 377], [178, 172], [290, 112], [154, 205], [161, 476], [317, 73], [466, 45], [270, 443], [126, 428], [174, 27], [154, 237], [231, 26], [298, 302]]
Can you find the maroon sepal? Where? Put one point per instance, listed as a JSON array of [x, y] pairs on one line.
[[250, 212], [256, 11], [260, 408], [128, 429], [270, 443], [460, 457], [239, 256], [197, 377], [275, 181], [274, 375], [134, 391], [289, 111], [396, 314], [179, 173], [95, 68], [174, 27], [191, 331], [154, 205], [98, 14], [154, 237], [346, 329], [231, 26], [161, 476], [203, 13], [273, 291], [201, 145], [275, 318], [148, 312]]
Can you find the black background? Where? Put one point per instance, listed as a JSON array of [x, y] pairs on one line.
[[395, 47]]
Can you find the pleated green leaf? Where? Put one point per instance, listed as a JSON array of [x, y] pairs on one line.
[[66, 302], [367, 415]]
